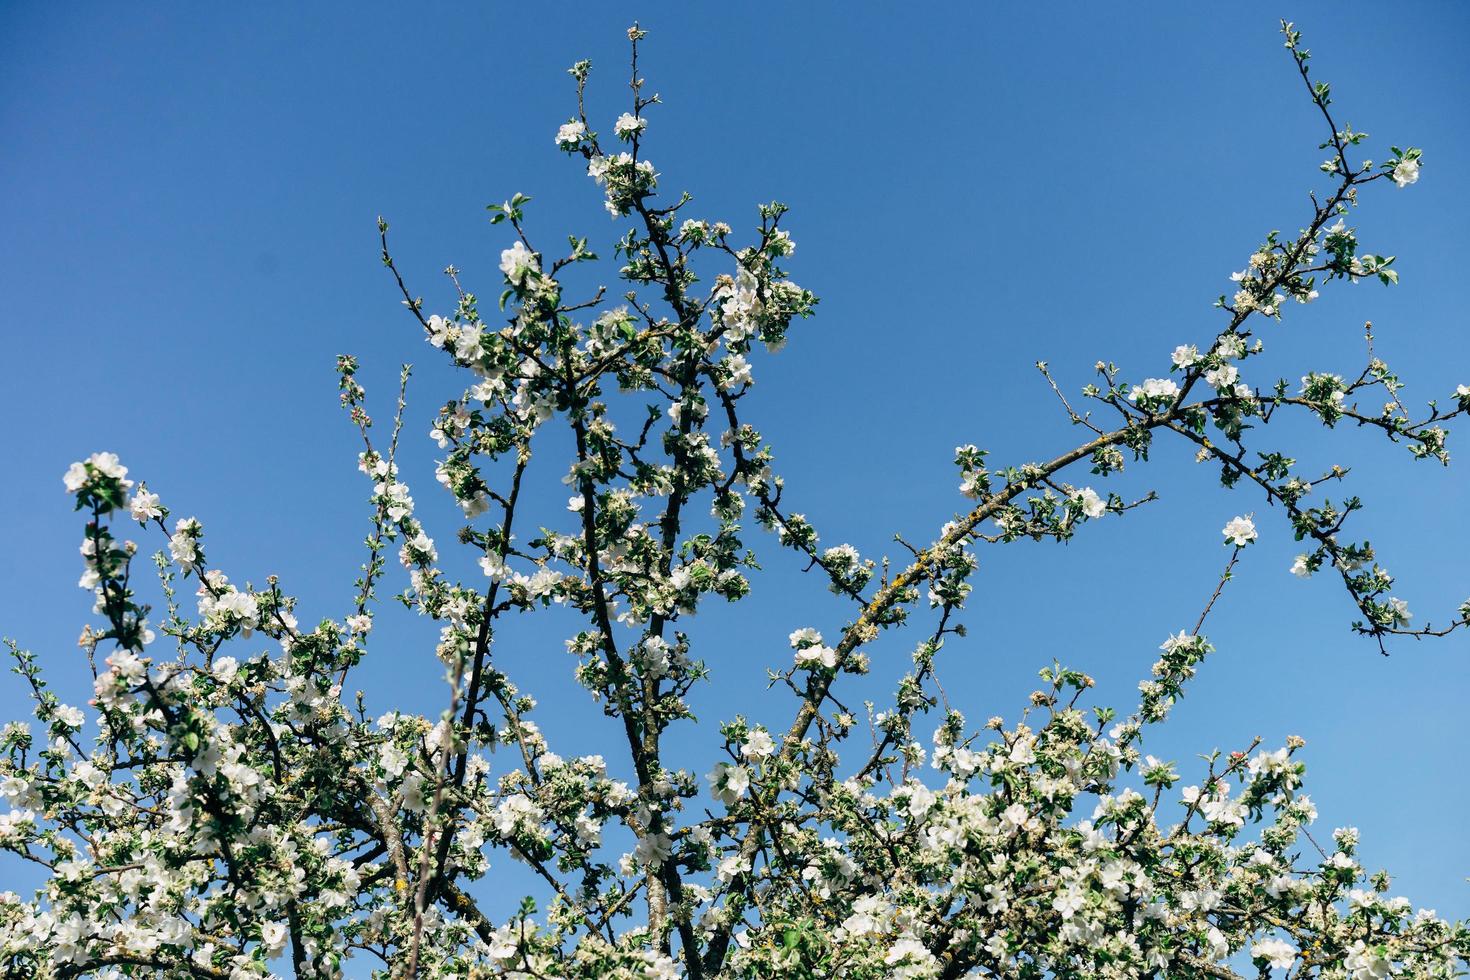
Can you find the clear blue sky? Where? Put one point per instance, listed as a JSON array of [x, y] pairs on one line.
[[187, 205]]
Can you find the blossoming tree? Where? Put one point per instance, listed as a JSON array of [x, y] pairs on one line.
[[236, 813]]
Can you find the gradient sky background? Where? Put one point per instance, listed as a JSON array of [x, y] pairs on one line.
[[187, 205]]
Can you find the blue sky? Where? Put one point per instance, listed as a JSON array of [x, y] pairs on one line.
[[187, 206]]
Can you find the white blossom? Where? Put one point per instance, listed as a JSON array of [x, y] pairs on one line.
[[1406, 172], [517, 262], [1239, 531]]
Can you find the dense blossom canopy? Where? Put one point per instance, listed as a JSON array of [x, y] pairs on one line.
[[226, 809]]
